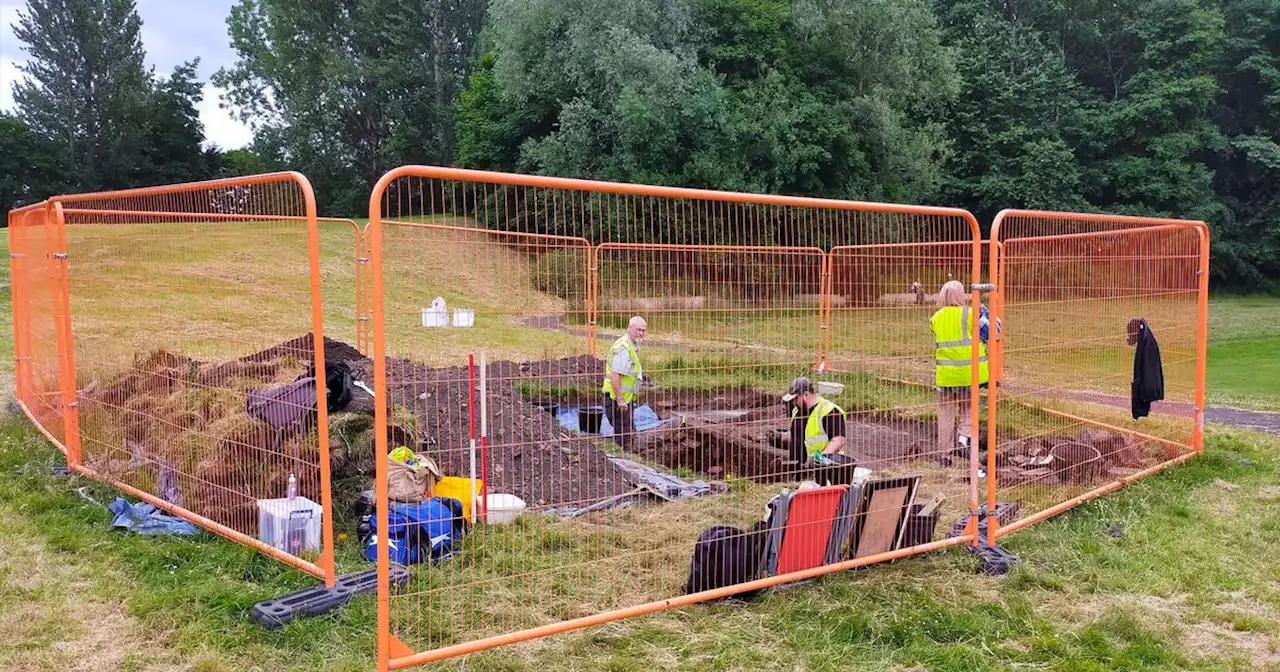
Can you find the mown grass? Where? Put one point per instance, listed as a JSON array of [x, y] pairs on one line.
[[1192, 583], [1244, 352]]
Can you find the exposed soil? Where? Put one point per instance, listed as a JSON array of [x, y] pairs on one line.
[[529, 455], [170, 409]]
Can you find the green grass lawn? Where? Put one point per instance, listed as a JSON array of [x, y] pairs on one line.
[[1244, 352], [1192, 583]]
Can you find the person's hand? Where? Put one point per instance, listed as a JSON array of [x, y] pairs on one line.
[[622, 404]]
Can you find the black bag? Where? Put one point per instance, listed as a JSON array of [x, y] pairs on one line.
[[725, 556], [337, 384], [292, 407]]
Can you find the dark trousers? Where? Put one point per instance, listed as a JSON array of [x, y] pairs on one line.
[[624, 426]]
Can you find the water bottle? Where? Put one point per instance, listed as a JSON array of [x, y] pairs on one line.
[[293, 487]]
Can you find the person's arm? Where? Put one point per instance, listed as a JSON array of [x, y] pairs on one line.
[[616, 379], [799, 452], [835, 426], [621, 365]]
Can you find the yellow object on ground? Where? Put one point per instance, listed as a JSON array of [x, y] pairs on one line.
[[459, 488]]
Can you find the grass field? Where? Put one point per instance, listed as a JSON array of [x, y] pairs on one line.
[[1244, 352], [1178, 572]]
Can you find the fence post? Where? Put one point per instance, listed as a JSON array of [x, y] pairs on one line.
[[59, 269], [17, 273], [825, 300], [593, 298], [1202, 338]]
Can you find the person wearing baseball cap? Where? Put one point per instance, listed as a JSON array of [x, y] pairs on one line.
[[818, 434]]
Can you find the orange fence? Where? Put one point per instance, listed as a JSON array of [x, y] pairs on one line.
[[185, 300], [534, 280], [486, 309], [37, 273], [1070, 290]]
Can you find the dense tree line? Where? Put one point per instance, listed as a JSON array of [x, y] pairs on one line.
[[1167, 107]]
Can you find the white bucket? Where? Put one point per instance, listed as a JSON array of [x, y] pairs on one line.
[[464, 317], [503, 508], [828, 387]]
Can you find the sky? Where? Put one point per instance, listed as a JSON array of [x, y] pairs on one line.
[[173, 31]]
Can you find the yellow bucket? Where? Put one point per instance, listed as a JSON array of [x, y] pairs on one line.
[[459, 488]]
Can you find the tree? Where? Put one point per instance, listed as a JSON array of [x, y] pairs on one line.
[[344, 90], [238, 162], [172, 151], [1018, 121], [796, 96], [86, 87], [30, 170], [1247, 110]]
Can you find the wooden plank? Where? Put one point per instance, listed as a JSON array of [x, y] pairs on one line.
[[883, 515]]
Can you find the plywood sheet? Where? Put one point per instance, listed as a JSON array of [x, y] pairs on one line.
[[883, 514]]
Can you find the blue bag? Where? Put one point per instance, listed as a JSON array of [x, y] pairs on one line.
[[419, 531]]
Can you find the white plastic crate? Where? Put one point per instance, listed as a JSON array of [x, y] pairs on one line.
[[291, 525]]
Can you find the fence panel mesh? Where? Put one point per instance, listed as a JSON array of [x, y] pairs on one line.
[[499, 301], [186, 302], [37, 297], [1078, 297]]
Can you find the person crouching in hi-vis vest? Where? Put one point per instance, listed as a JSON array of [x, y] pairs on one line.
[[819, 439], [623, 375], [954, 328]]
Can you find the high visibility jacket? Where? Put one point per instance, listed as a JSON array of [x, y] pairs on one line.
[[630, 382], [815, 435], [953, 329]]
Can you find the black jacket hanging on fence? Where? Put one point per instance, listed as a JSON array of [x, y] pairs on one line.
[[1148, 373]]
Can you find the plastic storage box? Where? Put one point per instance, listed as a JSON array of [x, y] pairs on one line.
[[291, 525]]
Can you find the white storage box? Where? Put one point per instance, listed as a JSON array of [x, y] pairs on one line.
[[291, 525], [464, 317], [831, 388], [437, 315]]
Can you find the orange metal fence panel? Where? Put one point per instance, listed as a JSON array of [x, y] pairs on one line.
[[176, 303], [1069, 286], [36, 304], [547, 273]]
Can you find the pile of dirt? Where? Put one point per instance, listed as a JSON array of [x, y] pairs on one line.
[[176, 426], [1090, 457], [168, 409]]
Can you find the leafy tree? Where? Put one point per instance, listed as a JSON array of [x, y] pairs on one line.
[[30, 168], [345, 90], [1018, 120], [1247, 110], [85, 85], [823, 98], [238, 162], [172, 151]]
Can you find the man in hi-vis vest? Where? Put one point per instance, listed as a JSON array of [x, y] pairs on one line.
[[954, 327], [623, 375], [819, 438]]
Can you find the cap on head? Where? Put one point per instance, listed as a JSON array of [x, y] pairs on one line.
[[798, 387]]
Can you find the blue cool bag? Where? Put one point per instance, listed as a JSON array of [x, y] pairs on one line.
[[419, 531]]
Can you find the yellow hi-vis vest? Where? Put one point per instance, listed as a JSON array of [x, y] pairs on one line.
[[815, 436], [955, 347], [630, 383]]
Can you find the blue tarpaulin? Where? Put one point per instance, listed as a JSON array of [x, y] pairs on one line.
[[645, 420], [144, 518]]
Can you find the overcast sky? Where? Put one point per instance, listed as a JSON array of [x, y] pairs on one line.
[[173, 31]]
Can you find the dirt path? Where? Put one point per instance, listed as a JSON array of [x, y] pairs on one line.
[[1243, 418]]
